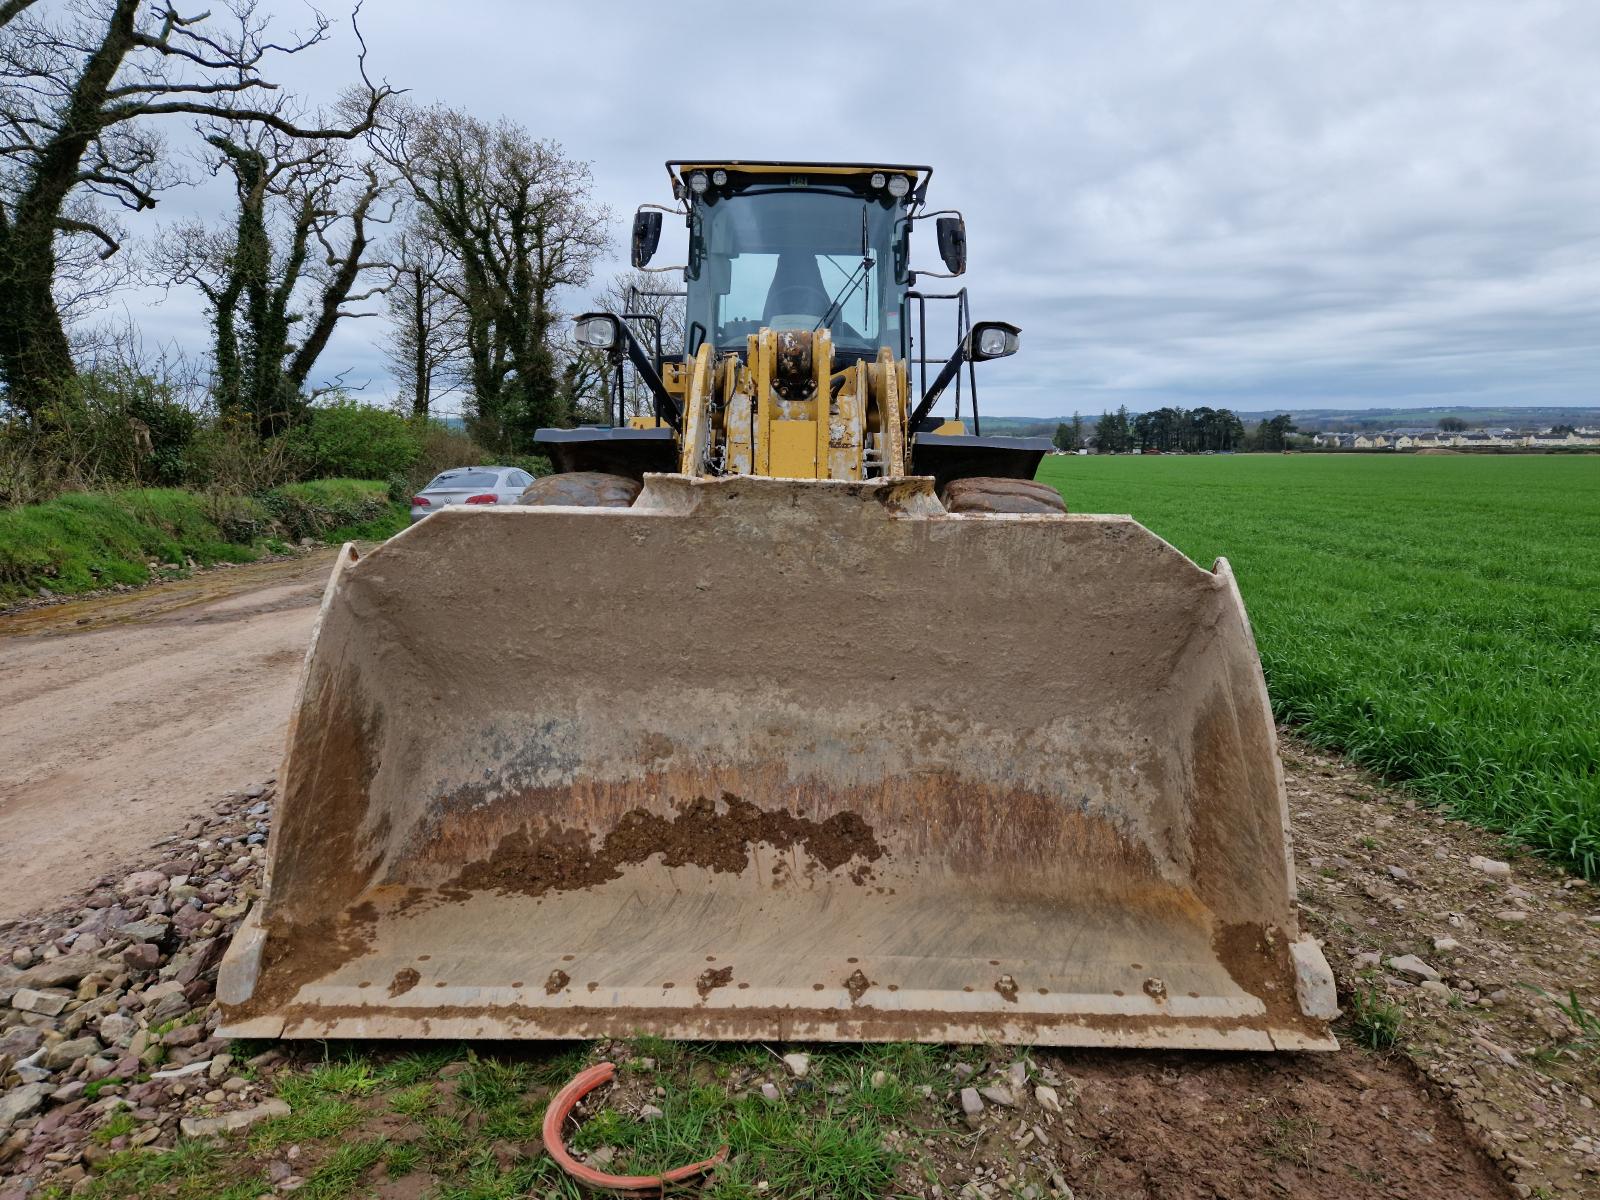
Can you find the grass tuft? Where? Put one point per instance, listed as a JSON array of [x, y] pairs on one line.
[[1376, 1022]]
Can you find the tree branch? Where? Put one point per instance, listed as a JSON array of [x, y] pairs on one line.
[[71, 225]]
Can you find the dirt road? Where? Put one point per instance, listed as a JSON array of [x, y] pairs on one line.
[[122, 718]]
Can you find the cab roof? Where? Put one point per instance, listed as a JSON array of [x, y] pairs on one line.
[[680, 168]]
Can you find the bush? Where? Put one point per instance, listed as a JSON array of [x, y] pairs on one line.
[[348, 439], [110, 425], [442, 448], [240, 520], [227, 456], [333, 510]]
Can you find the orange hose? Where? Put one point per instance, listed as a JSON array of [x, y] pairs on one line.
[[561, 1106]]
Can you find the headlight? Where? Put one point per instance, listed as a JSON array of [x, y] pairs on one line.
[[719, 177], [878, 181], [992, 343], [993, 339], [899, 185], [597, 333], [698, 183]]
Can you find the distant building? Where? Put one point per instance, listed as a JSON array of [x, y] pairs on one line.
[[1466, 439]]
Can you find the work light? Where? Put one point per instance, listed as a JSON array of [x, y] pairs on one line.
[[596, 332]]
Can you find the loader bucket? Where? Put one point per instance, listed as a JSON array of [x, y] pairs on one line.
[[761, 758]]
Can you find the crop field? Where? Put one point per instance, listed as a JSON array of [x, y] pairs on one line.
[[1436, 618]]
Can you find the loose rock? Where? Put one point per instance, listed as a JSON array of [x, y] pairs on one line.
[[230, 1122], [19, 1102], [142, 883], [45, 1003], [798, 1064], [1410, 964], [971, 1102], [64, 1054], [57, 972], [998, 1093]]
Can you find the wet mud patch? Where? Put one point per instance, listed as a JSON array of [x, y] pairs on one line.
[[404, 980], [296, 955], [557, 982], [701, 834], [711, 979], [857, 985]]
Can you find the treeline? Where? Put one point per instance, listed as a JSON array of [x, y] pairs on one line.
[[1173, 430], [461, 233]]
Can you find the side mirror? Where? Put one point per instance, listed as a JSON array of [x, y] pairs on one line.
[[646, 235], [953, 243], [992, 339]]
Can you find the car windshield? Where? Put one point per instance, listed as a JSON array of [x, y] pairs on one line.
[[792, 258], [462, 479]]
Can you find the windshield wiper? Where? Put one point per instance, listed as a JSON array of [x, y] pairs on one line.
[[850, 285]]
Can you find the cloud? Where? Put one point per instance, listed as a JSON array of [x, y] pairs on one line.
[[1361, 203]]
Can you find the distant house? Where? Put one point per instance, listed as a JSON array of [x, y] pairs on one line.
[[1469, 439]]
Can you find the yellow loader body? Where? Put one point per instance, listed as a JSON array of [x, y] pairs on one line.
[[790, 712]]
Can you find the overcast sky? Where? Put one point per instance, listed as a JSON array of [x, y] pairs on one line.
[[1257, 204]]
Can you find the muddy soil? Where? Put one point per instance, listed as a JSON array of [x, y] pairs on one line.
[[123, 717], [1399, 893], [1347, 1125]]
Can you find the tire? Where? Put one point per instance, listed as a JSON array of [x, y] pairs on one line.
[[582, 489], [985, 494]]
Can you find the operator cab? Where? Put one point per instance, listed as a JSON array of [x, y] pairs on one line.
[[797, 247]]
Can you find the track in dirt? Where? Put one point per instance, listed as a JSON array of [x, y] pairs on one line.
[[123, 717]]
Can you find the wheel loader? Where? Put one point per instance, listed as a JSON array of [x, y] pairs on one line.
[[789, 708]]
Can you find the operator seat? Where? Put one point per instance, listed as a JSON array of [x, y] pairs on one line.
[[796, 288]]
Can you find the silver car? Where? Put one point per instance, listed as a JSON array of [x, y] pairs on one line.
[[469, 485]]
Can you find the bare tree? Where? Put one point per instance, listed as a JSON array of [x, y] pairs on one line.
[[426, 322], [288, 270], [82, 97], [519, 221]]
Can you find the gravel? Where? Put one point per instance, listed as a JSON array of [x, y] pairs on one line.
[[120, 987]]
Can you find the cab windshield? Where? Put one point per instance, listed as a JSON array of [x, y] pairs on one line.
[[791, 258]]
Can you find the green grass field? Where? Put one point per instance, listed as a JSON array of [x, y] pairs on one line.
[[1436, 618]]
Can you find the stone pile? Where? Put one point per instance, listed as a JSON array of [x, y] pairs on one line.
[[108, 1008]]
